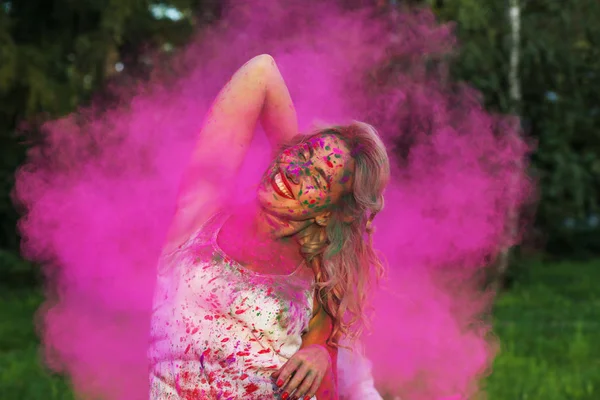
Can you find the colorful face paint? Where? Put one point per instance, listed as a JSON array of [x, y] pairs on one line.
[[307, 178]]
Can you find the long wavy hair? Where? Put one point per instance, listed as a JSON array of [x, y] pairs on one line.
[[341, 253]]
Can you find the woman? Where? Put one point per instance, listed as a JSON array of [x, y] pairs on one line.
[[253, 300]]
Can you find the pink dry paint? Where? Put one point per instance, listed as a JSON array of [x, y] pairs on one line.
[[100, 195]]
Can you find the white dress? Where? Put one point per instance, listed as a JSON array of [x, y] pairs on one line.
[[219, 330]]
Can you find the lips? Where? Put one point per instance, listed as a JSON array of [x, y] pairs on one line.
[[282, 186]]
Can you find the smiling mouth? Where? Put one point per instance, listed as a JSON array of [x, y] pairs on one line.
[[281, 187]]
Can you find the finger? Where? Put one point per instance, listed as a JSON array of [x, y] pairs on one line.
[[287, 370], [296, 380], [315, 385], [306, 384]]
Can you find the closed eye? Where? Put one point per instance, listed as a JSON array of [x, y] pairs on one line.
[[317, 182], [310, 150], [323, 176], [304, 155]]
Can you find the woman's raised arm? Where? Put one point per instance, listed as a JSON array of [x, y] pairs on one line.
[[256, 92]]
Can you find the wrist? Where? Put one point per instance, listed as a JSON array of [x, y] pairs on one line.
[[324, 349]]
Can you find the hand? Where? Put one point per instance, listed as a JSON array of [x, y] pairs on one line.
[[303, 372]]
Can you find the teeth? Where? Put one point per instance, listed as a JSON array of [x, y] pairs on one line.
[[281, 186]]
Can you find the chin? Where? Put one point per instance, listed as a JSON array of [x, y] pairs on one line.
[[278, 209]]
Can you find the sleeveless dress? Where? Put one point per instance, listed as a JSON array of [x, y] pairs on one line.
[[219, 330]]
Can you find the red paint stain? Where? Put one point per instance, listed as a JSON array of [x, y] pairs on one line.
[[251, 388]]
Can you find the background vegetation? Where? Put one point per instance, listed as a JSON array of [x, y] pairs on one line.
[[54, 54]]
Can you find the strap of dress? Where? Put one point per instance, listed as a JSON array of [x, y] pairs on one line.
[[208, 230], [203, 234]]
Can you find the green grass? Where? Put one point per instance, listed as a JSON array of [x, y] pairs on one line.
[[548, 324], [549, 328], [22, 376]]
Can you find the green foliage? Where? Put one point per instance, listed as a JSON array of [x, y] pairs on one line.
[[55, 54], [65, 50], [12, 263], [565, 62], [559, 74], [16, 272], [483, 56], [22, 375]]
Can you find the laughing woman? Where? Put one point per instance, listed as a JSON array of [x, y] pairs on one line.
[[252, 301]]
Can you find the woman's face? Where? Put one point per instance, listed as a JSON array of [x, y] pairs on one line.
[[307, 178]]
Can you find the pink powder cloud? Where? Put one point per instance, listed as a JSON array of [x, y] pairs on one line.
[[100, 194]]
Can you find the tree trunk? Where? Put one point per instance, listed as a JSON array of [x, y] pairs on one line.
[[514, 14]]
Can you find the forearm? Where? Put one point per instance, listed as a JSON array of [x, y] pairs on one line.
[[328, 389], [311, 371], [266, 98], [320, 329], [278, 116], [232, 117], [256, 92]]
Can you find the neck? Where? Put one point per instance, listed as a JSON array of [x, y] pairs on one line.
[[283, 236], [268, 226]]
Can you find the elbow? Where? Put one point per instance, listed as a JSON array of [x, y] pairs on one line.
[[263, 62], [264, 58]]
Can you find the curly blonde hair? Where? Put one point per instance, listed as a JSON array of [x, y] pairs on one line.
[[341, 253]]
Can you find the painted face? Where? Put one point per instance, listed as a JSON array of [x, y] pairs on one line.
[[307, 178]]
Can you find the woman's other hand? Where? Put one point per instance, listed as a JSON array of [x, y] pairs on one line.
[[303, 373]]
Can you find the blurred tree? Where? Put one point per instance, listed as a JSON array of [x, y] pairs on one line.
[[54, 54], [559, 73]]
